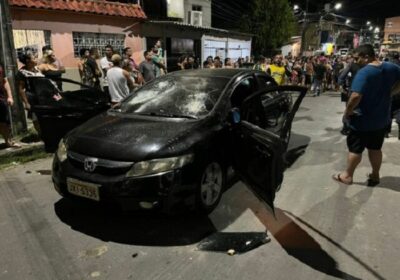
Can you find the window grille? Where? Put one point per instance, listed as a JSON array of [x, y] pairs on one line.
[[88, 40]]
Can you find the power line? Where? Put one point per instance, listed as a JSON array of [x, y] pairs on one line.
[[228, 10]]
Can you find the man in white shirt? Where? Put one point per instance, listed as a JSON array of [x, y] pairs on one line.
[[120, 82], [106, 64]]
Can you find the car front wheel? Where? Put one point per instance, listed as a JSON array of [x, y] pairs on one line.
[[211, 186]]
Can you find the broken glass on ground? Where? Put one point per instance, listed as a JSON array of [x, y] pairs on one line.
[[240, 242]]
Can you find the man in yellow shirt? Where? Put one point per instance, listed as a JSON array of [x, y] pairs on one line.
[[277, 70]]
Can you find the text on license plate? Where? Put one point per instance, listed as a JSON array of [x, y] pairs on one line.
[[83, 189]]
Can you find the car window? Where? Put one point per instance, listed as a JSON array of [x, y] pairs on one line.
[[45, 92], [272, 117], [176, 96], [276, 106], [268, 110], [265, 81], [244, 89]]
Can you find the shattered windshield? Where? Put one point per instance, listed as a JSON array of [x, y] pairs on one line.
[[176, 96]]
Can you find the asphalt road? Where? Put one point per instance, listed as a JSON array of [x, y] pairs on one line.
[[322, 230]]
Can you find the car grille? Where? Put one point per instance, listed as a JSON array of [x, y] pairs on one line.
[[102, 166]]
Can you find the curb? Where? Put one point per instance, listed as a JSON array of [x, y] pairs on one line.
[[25, 150]]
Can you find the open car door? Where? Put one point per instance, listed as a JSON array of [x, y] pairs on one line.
[[58, 112], [261, 138]]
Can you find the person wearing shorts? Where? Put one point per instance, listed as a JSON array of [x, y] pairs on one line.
[[358, 141], [368, 113]]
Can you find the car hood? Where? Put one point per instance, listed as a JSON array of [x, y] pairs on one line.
[[133, 138]]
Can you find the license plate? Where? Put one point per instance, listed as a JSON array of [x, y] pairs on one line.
[[83, 189]]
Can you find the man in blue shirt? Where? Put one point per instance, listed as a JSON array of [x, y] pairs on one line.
[[368, 113]]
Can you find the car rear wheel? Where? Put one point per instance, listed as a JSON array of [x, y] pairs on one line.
[[211, 186]]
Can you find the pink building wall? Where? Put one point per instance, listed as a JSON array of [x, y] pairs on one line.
[[63, 23]]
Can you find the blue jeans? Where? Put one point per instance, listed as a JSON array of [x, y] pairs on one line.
[[316, 86]]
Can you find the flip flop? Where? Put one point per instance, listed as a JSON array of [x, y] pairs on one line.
[[337, 178], [371, 182]]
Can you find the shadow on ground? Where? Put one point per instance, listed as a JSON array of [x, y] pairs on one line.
[[134, 228], [294, 233], [299, 244], [386, 182], [297, 147], [390, 183]]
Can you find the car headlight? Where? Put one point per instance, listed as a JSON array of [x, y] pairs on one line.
[[159, 165], [62, 151]]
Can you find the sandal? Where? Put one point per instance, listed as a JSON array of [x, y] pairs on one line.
[[372, 182], [338, 179]]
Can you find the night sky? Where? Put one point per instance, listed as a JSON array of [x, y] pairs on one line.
[[227, 12]]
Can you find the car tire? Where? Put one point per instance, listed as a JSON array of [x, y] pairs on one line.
[[210, 187]]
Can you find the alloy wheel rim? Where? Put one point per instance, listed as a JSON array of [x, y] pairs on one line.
[[211, 184]]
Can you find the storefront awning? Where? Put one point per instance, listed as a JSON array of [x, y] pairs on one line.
[[204, 29]]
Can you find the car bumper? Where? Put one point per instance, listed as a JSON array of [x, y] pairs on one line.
[[164, 191]]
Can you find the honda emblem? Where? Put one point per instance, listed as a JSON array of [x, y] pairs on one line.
[[90, 164]]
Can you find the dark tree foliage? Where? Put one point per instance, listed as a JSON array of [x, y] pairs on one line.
[[272, 23]]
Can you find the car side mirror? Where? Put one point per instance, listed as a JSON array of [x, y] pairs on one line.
[[234, 115]]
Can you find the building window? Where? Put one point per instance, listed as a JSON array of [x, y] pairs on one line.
[[31, 40], [98, 40], [195, 16], [395, 38], [197, 8]]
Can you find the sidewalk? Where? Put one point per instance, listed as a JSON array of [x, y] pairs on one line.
[[25, 148], [30, 145]]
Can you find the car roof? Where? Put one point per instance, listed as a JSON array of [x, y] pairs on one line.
[[221, 72]]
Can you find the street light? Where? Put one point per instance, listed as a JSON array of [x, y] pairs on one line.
[[348, 21], [376, 30], [368, 23], [328, 7], [338, 6], [370, 28], [324, 15]]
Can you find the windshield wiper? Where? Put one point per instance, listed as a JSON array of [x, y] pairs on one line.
[[156, 114]]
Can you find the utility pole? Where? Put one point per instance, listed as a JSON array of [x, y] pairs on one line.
[[9, 61]]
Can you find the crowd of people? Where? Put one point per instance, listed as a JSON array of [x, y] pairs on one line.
[[319, 72], [118, 74]]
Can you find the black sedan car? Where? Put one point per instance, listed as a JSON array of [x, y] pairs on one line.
[[172, 141]]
